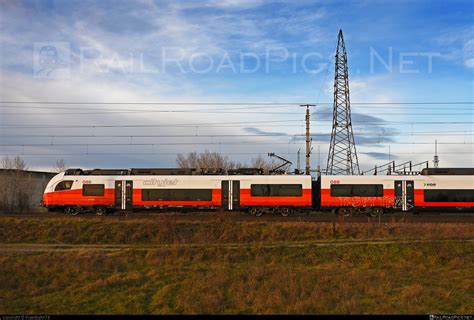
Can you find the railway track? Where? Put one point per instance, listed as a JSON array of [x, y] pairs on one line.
[[241, 216]]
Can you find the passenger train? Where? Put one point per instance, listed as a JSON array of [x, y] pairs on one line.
[[104, 190]]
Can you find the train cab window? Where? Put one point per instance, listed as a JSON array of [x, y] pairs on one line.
[[357, 190], [63, 185], [276, 190], [93, 190]]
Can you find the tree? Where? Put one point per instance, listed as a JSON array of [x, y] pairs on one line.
[[205, 160], [60, 165], [16, 185], [263, 163], [5, 183], [215, 160]]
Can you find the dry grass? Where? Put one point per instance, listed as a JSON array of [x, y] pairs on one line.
[[86, 231], [431, 277]]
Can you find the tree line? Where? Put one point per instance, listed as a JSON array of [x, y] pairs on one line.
[[215, 160]]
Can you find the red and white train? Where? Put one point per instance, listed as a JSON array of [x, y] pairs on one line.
[[79, 190]]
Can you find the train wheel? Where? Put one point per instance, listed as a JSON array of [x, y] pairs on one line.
[[346, 212], [71, 210], [285, 212], [255, 211], [100, 211], [375, 212]]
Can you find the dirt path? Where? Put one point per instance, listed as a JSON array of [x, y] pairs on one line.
[[238, 216], [28, 247]]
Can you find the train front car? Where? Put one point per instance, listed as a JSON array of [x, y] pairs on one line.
[[103, 190]]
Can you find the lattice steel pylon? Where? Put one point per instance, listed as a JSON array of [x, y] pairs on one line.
[[342, 157]]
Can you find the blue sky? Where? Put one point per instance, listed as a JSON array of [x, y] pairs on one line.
[[236, 51]]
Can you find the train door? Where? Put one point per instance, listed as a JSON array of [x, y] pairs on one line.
[[230, 194], [404, 194], [235, 195], [123, 195]]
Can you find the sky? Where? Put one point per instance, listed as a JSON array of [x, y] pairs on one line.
[[123, 71]]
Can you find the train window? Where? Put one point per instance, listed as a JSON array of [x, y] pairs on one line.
[[276, 190], [449, 195], [176, 194], [357, 190], [341, 190], [93, 190], [260, 190], [63, 185]]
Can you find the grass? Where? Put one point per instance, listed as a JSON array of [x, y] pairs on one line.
[[259, 273]]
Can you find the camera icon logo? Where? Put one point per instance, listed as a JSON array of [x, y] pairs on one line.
[[51, 60]]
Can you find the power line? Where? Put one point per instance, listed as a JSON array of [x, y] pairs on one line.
[[150, 125], [225, 153], [208, 143], [269, 134], [233, 103], [409, 123], [231, 108], [218, 111]]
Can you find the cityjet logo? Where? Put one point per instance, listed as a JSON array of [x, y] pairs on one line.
[[160, 183]]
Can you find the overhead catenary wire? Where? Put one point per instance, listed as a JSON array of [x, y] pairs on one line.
[[228, 110], [215, 111], [234, 103], [269, 134], [408, 123], [209, 143], [224, 153]]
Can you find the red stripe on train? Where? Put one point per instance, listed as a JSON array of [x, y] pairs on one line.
[[75, 197]]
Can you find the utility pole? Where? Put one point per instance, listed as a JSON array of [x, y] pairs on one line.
[[298, 168], [436, 158], [308, 151]]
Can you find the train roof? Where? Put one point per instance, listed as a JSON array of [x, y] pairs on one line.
[[163, 172], [447, 172]]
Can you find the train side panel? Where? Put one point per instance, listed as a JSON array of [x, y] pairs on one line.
[[373, 191], [444, 192], [428, 192]]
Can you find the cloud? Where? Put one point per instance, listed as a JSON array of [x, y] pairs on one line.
[[468, 51], [457, 44], [127, 42], [262, 132], [235, 4], [381, 155]]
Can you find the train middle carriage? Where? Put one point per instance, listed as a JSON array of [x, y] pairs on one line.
[[126, 192], [430, 191]]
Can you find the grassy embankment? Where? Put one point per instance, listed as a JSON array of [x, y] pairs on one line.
[[224, 266]]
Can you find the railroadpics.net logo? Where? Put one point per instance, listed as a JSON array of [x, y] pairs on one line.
[[52, 60], [55, 60]]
